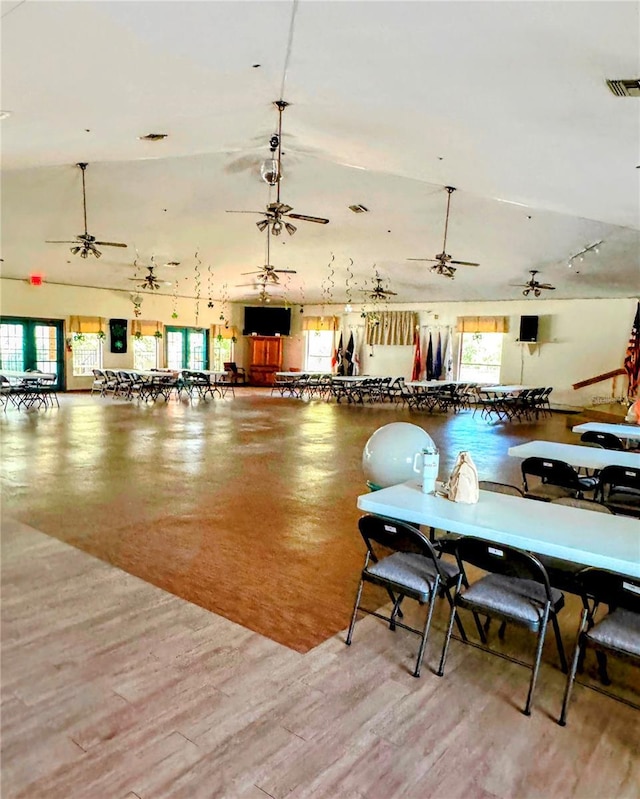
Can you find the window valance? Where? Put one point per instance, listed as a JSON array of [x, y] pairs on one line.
[[320, 323], [145, 327], [483, 324], [391, 327], [224, 331], [86, 324]]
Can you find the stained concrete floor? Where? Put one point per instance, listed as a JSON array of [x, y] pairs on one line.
[[246, 507]]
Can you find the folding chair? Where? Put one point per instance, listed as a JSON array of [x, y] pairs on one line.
[[413, 570], [620, 489], [617, 633], [605, 440], [557, 479], [516, 590]]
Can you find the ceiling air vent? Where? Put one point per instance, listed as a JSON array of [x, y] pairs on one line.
[[359, 209], [625, 88]]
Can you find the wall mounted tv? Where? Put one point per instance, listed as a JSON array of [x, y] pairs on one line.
[[266, 321]]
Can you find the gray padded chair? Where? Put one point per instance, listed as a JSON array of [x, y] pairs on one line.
[[617, 633], [412, 570], [515, 590]]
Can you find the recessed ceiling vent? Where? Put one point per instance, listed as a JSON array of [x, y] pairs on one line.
[[625, 88], [153, 137], [359, 209]]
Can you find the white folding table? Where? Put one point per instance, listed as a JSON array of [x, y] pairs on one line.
[[581, 536], [576, 455], [627, 432]]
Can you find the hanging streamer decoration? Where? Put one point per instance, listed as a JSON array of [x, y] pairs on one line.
[[209, 286], [225, 300], [197, 284], [348, 288], [174, 314]]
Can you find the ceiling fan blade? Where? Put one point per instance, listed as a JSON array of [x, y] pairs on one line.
[[110, 244], [263, 213], [435, 260], [304, 218], [546, 286], [463, 263], [257, 272], [48, 241], [286, 271]]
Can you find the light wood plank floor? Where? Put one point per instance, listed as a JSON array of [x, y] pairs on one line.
[[115, 689]]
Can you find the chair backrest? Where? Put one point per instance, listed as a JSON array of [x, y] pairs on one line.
[[606, 440], [550, 471], [501, 559], [584, 504], [230, 366], [500, 488], [613, 477], [611, 589], [398, 536], [98, 374]]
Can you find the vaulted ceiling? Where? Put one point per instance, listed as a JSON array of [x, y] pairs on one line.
[[390, 102]]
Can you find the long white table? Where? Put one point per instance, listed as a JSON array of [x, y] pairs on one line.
[[627, 432], [576, 455], [581, 536], [12, 374]]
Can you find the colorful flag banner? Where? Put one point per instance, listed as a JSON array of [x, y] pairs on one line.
[[348, 356], [437, 363], [417, 357], [429, 363]]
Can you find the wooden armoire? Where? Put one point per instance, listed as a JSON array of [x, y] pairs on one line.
[[265, 359]]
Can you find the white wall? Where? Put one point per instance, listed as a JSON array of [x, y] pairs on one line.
[[56, 301], [578, 339]]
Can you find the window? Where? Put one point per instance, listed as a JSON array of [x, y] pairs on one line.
[[187, 348], [145, 352], [87, 353], [318, 350], [480, 357], [222, 351]]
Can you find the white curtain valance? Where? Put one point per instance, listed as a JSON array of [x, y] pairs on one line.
[[391, 327]]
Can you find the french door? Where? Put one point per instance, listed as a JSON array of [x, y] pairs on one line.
[[32, 344], [187, 348]]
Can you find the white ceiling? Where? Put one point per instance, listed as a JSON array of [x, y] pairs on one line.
[[391, 101]]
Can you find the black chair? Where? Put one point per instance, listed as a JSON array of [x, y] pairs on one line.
[[516, 590], [617, 633], [557, 479], [620, 489], [413, 570], [236, 373], [605, 440], [500, 488]]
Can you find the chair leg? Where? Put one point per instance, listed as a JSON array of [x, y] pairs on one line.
[[577, 656], [602, 668], [536, 664], [559, 644], [447, 640], [395, 612], [425, 631], [355, 613]]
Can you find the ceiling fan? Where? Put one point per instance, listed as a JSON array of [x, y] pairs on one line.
[[277, 213], [267, 273], [149, 281], [532, 285], [379, 292], [444, 264], [85, 243]]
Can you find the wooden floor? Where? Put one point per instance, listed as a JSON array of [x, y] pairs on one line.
[[246, 507], [116, 689]]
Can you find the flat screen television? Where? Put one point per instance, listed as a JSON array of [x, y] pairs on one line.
[[266, 321]]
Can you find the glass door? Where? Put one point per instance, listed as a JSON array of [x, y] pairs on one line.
[[187, 348], [32, 344]]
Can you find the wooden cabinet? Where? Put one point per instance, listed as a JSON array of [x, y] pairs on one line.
[[265, 359]]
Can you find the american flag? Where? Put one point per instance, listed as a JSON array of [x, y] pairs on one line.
[[632, 357]]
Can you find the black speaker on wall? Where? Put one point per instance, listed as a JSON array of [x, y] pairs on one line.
[[118, 335], [529, 328]]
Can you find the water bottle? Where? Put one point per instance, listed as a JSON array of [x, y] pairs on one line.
[[430, 467]]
